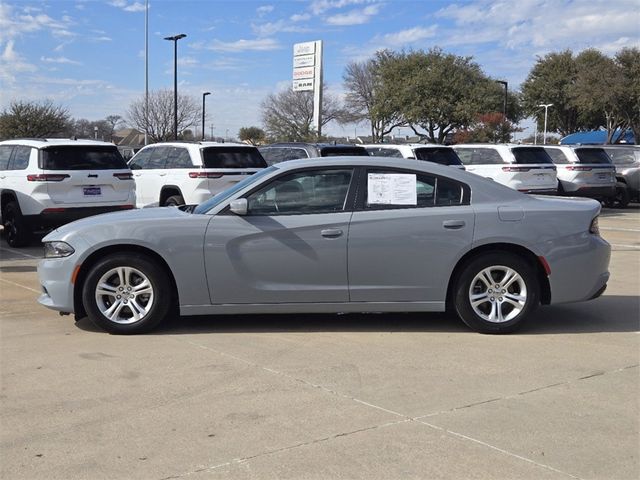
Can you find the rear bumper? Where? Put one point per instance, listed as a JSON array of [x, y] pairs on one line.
[[48, 220], [590, 191]]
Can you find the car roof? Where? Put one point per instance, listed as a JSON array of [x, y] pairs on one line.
[[308, 144], [498, 145], [403, 145], [199, 144], [48, 142]]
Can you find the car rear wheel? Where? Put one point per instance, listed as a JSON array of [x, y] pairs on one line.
[[126, 294], [15, 228], [496, 292], [174, 201]]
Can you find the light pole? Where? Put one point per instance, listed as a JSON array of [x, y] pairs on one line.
[[175, 39], [546, 108], [504, 104], [203, 97]]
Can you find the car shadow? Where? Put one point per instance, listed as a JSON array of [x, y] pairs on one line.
[[618, 212], [606, 314]]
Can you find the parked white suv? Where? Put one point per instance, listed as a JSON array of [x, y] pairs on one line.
[[583, 171], [177, 173], [45, 183], [525, 168], [442, 154]]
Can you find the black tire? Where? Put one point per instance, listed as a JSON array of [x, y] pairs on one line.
[[499, 299], [174, 201], [622, 198], [560, 188], [16, 231], [157, 305]]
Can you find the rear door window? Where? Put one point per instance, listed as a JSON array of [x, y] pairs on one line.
[[141, 159], [178, 158], [593, 155], [85, 157], [531, 155], [442, 156], [5, 154], [232, 157], [557, 156]]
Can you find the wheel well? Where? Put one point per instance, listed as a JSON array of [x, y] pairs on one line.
[[100, 254], [6, 198], [543, 280], [621, 179], [168, 191]]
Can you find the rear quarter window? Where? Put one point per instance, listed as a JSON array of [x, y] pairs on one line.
[[82, 158], [624, 156], [232, 157], [531, 155], [5, 154]]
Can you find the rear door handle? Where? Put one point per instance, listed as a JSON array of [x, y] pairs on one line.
[[331, 232], [453, 224], [162, 174]]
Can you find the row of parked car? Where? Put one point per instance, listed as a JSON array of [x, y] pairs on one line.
[[48, 182]]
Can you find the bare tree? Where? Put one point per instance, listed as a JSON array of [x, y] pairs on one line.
[[34, 119], [363, 101], [159, 121], [288, 115]]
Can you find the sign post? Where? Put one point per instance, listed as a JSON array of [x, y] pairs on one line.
[[307, 76]]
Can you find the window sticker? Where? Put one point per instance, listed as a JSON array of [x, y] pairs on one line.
[[391, 189]]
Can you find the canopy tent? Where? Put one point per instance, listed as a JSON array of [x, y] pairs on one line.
[[595, 137]]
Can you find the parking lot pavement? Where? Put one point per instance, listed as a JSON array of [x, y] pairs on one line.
[[325, 396]]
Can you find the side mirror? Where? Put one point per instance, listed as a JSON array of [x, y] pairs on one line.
[[238, 206]]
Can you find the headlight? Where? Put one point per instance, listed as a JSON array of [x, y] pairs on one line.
[[57, 249]]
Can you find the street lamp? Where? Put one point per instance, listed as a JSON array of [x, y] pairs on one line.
[[203, 97], [504, 105], [175, 39], [546, 108]]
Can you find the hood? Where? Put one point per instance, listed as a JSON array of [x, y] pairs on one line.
[[128, 216]]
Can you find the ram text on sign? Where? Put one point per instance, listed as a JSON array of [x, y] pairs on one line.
[[303, 85], [304, 48], [304, 61], [305, 72]]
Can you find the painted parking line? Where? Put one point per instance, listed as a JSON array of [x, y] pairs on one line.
[[20, 285], [19, 253], [633, 247], [620, 229]]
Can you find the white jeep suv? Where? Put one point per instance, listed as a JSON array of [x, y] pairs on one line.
[[429, 152], [526, 168], [45, 183], [177, 173]]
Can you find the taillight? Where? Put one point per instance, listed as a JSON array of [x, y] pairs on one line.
[[594, 228], [123, 176], [515, 169], [47, 177], [205, 174], [578, 169]]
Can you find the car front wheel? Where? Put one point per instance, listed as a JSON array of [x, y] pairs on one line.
[[15, 228], [496, 292], [127, 294]]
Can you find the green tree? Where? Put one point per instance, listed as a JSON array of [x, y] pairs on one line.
[[288, 115], [628, 60], [252, 135], [363, 101], [33, 119], [551, 80], [488, 128], [436, 91]]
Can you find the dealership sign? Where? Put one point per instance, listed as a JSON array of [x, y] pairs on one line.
[[307, 75]]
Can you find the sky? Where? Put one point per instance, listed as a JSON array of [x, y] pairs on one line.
[[89, 55]]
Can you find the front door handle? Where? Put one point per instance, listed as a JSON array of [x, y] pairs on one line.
[[331, 232], [453, 224]]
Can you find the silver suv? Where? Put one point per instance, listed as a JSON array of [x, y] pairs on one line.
[[45, 183], [626, 159], [175, 173]]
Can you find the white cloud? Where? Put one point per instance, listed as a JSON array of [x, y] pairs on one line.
[[354, 17], [407, 37], [263, 10], [12, 63], [299, 17], [271, 28], [320, 6], [187, 61], [102, 39], [128, 7], [64, 60], [261, 44]]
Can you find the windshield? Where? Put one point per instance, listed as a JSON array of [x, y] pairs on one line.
[[204, 207], [531, 155], [593, 155], [84, 157], [443, 156]]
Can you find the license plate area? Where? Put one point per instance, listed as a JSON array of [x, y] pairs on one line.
[[92, 191]]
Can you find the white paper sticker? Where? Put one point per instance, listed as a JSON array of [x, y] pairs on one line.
[[391, 189]]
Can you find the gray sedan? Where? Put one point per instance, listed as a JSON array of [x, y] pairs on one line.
[[325, 235]]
